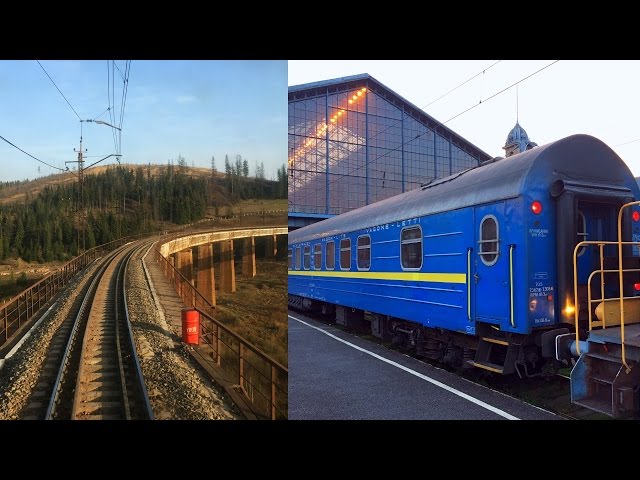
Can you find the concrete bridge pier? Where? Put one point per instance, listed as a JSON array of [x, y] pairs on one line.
[[227, 268], [249, 258], [184, 264], [206, 278], [270, 246]]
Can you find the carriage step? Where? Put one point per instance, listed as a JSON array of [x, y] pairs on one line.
[[496, 341], [492, 367]]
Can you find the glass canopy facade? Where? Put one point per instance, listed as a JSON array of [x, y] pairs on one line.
[[353, 142]]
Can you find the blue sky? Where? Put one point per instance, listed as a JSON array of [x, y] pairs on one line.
[[599, 98], [197, 109]]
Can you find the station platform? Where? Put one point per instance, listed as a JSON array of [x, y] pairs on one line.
[[335, 375]]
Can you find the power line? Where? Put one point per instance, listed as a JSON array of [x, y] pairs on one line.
[[54, 84], [110, 96], [105, 111], [503, 90], [468, 109], [26, 153], [125, 88], [120, 71], [463, 83], [627, 143], [113, 104]]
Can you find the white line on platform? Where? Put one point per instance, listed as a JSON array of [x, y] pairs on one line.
[[480, 403]]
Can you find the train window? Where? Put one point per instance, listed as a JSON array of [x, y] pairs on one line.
[[331, 255], [581, 231], [411, 248], [298, 262], [489, 240], [317, 256], [307, 257], [345, 254], [290, 256], [364, 252]]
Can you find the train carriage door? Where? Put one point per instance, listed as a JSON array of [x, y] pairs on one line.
[[585, 212], [594, 221], [491, 264]]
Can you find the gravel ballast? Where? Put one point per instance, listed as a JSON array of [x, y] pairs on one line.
[[178, 389], [21, 371]]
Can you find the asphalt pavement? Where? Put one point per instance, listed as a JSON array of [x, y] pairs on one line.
[[337, 375]]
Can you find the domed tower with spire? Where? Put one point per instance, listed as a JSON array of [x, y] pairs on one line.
[[517, 141]]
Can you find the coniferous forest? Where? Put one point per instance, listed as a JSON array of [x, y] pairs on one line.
[[62, 220]]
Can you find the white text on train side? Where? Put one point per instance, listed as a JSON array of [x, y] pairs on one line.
[[386, 226]]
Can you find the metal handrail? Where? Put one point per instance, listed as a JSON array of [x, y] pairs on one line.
[[511, 247], [190, 295], [20, 309], [469, 283], [620, 275], [602, 299], [620, 272]]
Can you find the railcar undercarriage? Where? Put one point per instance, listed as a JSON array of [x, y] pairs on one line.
[[490, 349]]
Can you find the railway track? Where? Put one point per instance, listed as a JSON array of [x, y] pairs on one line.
[[92, 370], [36, 407]]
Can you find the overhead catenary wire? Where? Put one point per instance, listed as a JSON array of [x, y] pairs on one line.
[[111, 92], [110, 109], [502, 91], [124, 84], [462, 84], [35, 158], [120, 71], [98, 116], [54, 84], [125, 88], [627, 143]]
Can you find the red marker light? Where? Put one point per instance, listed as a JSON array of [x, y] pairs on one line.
[[637, 287], [636, 216], [536, 207], [550, 297]]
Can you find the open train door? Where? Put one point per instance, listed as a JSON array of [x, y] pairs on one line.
[[586, 212]]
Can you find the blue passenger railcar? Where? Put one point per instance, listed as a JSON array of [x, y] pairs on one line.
[[476, 268]]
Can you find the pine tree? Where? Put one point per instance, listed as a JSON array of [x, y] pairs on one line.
[[48, 245], [228, 169], [19, 238]]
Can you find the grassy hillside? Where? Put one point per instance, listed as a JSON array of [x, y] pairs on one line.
[[19, 191], [54, 218]]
